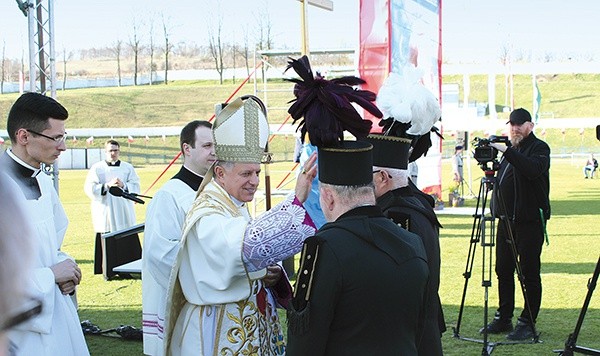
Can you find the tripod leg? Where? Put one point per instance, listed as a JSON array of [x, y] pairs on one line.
[[474, 240], [571, 343]]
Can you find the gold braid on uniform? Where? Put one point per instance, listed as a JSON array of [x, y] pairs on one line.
[[298, 313]]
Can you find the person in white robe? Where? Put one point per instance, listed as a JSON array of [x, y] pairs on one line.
[[16, 305], [219, 301], [164, 220], [110, 213], [36, 126]]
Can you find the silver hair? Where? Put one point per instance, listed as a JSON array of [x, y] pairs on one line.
[[399, 176], [226, 165], [351, 195]]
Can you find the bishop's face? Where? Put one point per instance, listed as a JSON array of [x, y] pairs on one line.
[[240, 180]]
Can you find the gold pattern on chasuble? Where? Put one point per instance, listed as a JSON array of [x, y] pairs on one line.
[[252, 333]]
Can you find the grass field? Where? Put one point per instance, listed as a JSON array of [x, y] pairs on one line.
[[568, 263]]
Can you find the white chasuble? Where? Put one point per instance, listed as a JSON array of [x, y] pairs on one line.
[[216, 305]]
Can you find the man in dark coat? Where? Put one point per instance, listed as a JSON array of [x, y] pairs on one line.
[[398, 202], [521, 202], [362, 279]]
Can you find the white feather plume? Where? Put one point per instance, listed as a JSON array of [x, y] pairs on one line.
[[406, 99]]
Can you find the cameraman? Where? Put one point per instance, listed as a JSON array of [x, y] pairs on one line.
[[521, 201]]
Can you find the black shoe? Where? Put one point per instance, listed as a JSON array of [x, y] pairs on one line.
[[523, 331], [498, 326]]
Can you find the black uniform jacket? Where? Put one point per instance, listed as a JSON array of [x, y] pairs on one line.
[[366, 294], [405, 209], [524, 181]]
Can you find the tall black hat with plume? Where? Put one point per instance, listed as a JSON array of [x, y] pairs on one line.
[[324, 107]]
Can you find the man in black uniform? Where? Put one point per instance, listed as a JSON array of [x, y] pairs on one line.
[[362, 279], [397, 201], [521, 202]]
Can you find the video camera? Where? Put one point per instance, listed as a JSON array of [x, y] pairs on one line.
[[484, 153]]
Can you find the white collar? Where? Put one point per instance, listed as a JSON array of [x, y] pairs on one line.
[[36, 171]]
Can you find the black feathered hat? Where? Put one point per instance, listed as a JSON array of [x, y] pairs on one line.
[[324, 108]]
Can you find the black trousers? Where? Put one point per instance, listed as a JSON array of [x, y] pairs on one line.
[[529, 238]]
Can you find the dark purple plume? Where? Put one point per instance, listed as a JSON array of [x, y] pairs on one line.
[[324, 107]]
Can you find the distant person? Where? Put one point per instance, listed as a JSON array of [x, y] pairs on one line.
[[297, 147], [36, 126], [521, 202], [164, 222], [457, 165], [226, 282], [591, 165], [111, 213]]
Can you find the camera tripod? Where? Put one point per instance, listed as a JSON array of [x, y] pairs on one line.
[[571, 343], [483, 232]]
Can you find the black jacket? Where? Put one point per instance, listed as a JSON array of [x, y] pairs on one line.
[[524, 182], [366, 295], [405, 209]]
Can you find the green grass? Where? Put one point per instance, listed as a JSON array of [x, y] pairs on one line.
[[565, 95], [568, 263]]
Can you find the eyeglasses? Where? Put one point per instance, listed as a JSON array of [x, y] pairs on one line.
[[57, 139], [380, 170], [32, 308]]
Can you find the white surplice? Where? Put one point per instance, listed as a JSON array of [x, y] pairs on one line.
[[164, 220], [216, 302], [111, 213], [57, 329]]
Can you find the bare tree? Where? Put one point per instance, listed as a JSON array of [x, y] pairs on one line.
[[244, 49], [3, 68], [151, 50], [65, 60], [548, 57], [505, 54], [264, 40], [215, 45], [168, 46], [234, 50], [117, 50], [136, 49]]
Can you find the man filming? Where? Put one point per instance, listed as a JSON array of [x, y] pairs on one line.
[[521, 202]]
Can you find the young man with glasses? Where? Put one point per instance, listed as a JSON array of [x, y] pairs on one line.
[[112, 213], [36, 126]]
